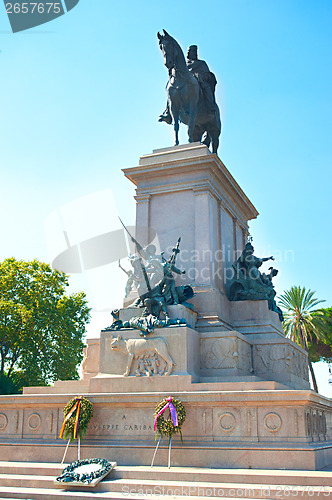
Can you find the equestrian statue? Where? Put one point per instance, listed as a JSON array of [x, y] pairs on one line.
[[190, 94]]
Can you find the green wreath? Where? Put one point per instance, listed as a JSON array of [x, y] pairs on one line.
[[86, 414], [166, 427], [71, 473]]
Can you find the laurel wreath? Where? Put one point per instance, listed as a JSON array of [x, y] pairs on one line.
[[86, 414], [69, 474], [166, 427]]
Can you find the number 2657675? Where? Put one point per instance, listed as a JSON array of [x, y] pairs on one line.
[[33, 8]]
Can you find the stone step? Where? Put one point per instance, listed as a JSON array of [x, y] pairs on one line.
[[26, 480], [35, 481], [168, 490], [39, 468], [38, 494], [258, 476]]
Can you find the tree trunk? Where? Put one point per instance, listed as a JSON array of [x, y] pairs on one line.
[[313, 377], [312, 373], [2, 364]]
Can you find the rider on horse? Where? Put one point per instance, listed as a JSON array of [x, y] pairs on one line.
[[206, 79]]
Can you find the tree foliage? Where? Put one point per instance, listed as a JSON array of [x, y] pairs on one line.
[[302, 322], [41, 327], [321, 349]]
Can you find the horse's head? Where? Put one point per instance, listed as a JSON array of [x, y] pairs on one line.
[[169, 48]]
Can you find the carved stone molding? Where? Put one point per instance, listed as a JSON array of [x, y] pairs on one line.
[[227, 422], [34, 422], [272, 422], [309, 423], [3, 421], [225, 353], [222, 353]]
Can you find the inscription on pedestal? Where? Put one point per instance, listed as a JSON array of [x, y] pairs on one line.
[[118, 428]]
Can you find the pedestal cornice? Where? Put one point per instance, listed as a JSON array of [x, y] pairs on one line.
[[191, 167]]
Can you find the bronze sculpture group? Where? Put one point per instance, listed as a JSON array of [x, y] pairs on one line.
[[248, 283], [155, 285]]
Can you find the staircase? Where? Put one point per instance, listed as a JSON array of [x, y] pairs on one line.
[[34, 481]]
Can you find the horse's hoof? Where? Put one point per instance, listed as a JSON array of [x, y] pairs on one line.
[[164, 118]]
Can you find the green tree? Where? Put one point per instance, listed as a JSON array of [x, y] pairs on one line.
[[41, 327], [302, 323], [321, 349]]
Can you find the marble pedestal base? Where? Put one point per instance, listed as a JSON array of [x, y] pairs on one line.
[[273, 429]]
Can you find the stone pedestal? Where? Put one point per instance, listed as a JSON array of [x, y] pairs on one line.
[[245, 386], [178, 311], [187, 191]]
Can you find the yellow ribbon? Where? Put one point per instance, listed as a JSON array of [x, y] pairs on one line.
[[77, 420], [77, 406]]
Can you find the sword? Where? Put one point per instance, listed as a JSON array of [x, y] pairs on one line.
[[139, 247], [145, 274], [175, 252]]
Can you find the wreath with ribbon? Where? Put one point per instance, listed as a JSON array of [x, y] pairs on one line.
[[77, 414], [175, 420]]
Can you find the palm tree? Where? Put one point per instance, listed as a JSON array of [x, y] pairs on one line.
[[302, 323]]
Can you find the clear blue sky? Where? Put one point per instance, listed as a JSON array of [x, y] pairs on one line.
[[80, 97]]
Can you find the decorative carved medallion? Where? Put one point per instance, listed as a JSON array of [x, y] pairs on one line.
[[227, 421], [272, 422], [34, 422], [3, 421]]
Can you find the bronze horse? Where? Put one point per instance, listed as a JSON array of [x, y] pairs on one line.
[[185, 100]]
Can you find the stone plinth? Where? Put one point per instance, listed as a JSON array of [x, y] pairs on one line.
[[178, 311], [254, 317], [281, 360], [90, 365], [181, 344]]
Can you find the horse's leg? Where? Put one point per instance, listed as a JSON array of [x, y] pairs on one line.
[[214, 132], [197, 134], [206, 139], [193, 108], [215, 145], [175, 115], [215, 140]]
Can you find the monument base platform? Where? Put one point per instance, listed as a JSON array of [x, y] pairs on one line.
[[275, 428]]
